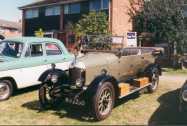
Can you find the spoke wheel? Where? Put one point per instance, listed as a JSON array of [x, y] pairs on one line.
[[103, 101], [154, 81]]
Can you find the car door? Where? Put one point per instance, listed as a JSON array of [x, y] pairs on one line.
[[33, 65], [55, 54], [128, 63]]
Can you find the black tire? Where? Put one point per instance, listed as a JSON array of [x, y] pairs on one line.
[[45, 99], [42, 96], [154, 78], [99, 101], [6, 89]]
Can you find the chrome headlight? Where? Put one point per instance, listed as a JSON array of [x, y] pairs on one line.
[[54, 78], [79, 83], [184, 95]]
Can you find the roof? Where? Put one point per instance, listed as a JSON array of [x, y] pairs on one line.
[[10, 24], [32, 40], [48, 3]]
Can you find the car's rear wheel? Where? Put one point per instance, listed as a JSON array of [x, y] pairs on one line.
[[6, 89], [154, 80], [103, 101]]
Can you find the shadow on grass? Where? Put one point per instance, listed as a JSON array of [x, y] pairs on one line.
[[64, 110], [168, 113], [26, 90]]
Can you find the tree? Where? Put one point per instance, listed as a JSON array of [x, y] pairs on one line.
[[93, 23], [163, 18], [95, 26]]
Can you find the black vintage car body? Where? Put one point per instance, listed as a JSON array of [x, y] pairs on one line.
[[94, 78]]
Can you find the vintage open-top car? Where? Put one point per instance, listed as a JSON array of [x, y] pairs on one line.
[[97, 79], [24, 59]]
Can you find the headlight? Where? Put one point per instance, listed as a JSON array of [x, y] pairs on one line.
[[79, 83], [54, 78], [184, 95]]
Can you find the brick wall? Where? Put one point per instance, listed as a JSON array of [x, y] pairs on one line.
[[120, 19], [8, 33]]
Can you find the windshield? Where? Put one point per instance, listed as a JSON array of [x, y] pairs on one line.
[[11, 49]]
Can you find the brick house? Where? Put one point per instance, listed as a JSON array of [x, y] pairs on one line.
[[9, 29], [52, 16]]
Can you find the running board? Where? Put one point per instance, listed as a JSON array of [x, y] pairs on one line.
[[135, 90]]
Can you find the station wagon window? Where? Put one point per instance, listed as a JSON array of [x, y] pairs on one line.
[[34, 50], [11, 49], [52, 49]]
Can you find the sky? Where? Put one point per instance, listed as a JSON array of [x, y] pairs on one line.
[[9, 9]]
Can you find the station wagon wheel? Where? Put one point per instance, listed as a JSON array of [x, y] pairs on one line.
[[6, 89], [103, 101], [154, 81]]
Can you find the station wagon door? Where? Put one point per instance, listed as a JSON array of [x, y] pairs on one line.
[[33, 65], [55, 54]]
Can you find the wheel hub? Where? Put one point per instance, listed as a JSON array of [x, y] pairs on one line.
[[105, 102], [154, 80], [4, 90]]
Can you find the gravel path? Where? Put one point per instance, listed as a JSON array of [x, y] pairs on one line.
[[173, 81]]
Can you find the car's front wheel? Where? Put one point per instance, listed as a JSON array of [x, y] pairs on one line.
[[46, 98], [103, 101], [6, 89]]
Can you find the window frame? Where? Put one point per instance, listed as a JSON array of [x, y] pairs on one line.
[[101, 5], [61, 51], [34, 13], [30, 50], [53, 11], [68, 8]]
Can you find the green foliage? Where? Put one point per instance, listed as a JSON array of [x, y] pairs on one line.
[[162, 18], [93, 23]]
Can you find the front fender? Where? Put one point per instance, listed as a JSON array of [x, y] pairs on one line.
[[98, 81], [44, 75], [150, 67]]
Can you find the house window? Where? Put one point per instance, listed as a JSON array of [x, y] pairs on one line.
[[32, 13], [105, 4], [96, 5], [51, 11], [72, 8]]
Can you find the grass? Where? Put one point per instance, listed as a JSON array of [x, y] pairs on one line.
[[174, 71], [157, 108]]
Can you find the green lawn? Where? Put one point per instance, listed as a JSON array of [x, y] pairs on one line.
[[160, 107]]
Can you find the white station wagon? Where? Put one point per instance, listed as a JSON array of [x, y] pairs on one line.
[[24, 59]]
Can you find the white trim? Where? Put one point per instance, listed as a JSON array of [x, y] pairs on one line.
[[26, 77]]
